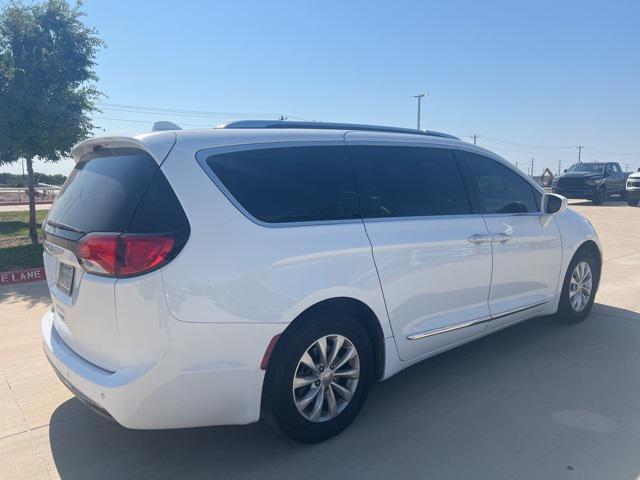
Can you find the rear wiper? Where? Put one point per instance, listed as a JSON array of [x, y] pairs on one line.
[[62, 226]]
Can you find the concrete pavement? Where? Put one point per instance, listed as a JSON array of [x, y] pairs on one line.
[[538, 400], [24, 208]]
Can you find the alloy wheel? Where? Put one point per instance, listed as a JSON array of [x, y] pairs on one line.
[[580, 286], [326, 378]]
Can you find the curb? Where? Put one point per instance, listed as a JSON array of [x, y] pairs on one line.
[[21, 276]]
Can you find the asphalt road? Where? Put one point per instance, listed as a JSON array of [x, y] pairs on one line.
[[539, 400]]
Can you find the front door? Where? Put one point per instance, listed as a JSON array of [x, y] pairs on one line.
[[433, 256], [616, 180], [527, 250]]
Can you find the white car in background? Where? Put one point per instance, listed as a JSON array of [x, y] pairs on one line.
[[275, 269], [633, 189]]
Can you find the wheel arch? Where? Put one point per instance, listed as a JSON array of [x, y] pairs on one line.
[[357, 309], [592, 248]]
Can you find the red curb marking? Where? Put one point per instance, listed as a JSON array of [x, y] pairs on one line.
[[20, 276]]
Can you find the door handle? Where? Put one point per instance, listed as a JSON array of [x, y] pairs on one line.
[[478, 238], [501, 237]]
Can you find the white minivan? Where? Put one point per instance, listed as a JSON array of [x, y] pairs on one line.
[[275, 269]]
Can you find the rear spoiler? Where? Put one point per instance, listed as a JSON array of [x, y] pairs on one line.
[[158, 145]]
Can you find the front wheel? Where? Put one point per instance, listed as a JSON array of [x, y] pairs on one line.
[[633, 201], [599, 196], [318, 377], [579, 288]]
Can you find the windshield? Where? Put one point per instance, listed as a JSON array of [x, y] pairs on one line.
[[587, 167]]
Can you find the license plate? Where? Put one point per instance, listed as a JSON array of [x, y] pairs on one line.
[[65, 278]]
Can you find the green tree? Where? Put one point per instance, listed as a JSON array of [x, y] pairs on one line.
[[47, 90]]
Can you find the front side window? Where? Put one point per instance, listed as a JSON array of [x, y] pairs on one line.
[[398, 181], [499, 189], [290, 184]]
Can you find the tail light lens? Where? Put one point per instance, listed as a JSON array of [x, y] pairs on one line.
[[124, 255]]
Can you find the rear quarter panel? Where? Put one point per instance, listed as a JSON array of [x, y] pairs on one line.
[[233, 270]]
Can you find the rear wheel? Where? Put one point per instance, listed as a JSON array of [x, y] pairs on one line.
[[318, 377], [579, 288]]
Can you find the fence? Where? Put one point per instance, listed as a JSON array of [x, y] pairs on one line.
[[20, 196]]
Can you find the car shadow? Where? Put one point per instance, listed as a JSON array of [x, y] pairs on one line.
[[538, 400], [31, 293], [610, 202]]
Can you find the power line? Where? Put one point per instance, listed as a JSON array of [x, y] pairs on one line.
[[531, 147], [608, 152], [149, 122], [183, 111], [526, 144], [189, 115]]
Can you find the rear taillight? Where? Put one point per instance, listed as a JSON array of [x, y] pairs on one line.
[[124, 255]]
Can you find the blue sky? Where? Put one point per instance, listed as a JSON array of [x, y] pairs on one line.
[[548, 75]]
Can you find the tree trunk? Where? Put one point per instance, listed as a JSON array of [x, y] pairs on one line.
[[33, 231]]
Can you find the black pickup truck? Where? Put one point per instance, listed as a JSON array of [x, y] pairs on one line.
[[593, 181]]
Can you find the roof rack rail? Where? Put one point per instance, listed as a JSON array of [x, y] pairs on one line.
[[330, 126]]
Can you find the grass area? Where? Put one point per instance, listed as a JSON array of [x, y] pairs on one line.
[[16, 251], [21, 256], [16, 224]]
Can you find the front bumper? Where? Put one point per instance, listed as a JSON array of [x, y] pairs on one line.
[[212, 376], [587, 191], [633, 192]]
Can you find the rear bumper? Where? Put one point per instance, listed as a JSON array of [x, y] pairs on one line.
[[209, 378]]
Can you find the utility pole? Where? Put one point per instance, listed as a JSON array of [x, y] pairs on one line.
[[516, 164], [531, 167], [419, 97], [559, 166], [475, 138], [626, 167], [579, 153]]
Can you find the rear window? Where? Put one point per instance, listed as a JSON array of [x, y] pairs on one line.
[[103, 191], [290, 184]]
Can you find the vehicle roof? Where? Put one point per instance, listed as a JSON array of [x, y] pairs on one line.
[[301, 125], [160, 142]]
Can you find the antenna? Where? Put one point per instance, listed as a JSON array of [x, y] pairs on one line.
[[163, 126]]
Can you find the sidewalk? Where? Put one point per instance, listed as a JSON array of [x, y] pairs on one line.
[[23, 208]]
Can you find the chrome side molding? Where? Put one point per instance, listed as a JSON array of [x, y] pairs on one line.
[[470, 323]]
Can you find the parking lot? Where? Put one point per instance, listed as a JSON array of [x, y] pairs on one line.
[[538, 400]]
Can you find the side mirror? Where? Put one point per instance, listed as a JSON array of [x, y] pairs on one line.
[[552, 203]]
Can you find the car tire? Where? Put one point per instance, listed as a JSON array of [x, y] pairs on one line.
[[633, 201], [284, 405], [599, 196], [573, 306]]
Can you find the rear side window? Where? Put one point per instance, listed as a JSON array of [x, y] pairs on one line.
[[290, 184], [408, 182], [499, 189], [103, 190]]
